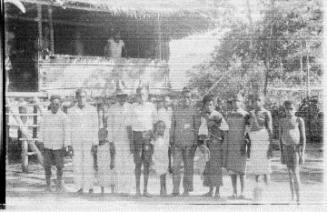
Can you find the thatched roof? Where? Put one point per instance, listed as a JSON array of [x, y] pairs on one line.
[[134, 7], [178, 18]]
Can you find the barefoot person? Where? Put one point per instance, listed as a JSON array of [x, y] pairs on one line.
[[54, 133], [84, 131], [261, 136], [293, 141], [143, 118], [118, 125], [106, 162], [213, 175], [160, 154], [236, 156]]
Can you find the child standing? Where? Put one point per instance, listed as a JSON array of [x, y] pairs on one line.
[[106, 162], [292, 141], [160, 154]]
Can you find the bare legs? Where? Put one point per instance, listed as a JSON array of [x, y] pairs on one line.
[[210, 193], [294, 175], [234, 184]]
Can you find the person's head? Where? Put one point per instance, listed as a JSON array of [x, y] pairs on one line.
[[208, 104], [141, 95], [289, 108], [23, 110], [237, 102], [161, 101], [103, 135], [258, 101], [186, 97], [46, 31], [55, 102], [81, 97], [121, 98], [78, 35], [160, 128], [116, 36]]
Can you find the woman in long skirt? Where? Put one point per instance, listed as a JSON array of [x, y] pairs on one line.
[[236, 156], [261, 136], [213, 176]]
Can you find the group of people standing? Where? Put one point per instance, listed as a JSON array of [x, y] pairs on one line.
[[166, 139]]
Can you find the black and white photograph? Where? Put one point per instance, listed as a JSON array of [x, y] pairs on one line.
[[162, 105]]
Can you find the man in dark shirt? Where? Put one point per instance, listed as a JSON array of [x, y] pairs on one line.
[[183, 142]]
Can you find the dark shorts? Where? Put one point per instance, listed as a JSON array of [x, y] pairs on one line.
[[54, 157], [290, 156], [142, 148]]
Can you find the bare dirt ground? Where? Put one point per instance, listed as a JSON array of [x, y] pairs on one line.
[[26, 190]]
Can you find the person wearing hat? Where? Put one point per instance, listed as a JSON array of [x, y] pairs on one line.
[[115, 47], [183, 141], [118, 122], [235, 159], [55, 135], [84, 136]]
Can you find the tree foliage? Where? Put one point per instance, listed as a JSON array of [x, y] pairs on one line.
[[277, 50]]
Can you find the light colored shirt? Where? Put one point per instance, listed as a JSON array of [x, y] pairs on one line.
[[84, 125], [143, 116], [117, 121], [165, 116], [54, 130], [114, 49]]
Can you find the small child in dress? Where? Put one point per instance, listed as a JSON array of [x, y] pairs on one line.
[[292, 142], [106, 162], [160, 157]]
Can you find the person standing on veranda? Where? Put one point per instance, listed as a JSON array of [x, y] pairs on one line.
[[55, 135], [115, 46], [260, 133], [84, 132], [236, 157], [118, 125]]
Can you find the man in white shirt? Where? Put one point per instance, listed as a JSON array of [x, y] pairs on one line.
[[84, 131], [54, 133], [143, 117], [118, 125]]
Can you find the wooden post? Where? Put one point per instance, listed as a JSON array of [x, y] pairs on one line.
[[51, 31], [159, 37], [40, 38], [24, 155], [307, 44]]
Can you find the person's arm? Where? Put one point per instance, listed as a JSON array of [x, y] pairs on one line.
[[95, 129], [247, 120], [268, 120], [280, 136], [107, 51], [172, 128], [66, 129], [302, 139], [124, 50]]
